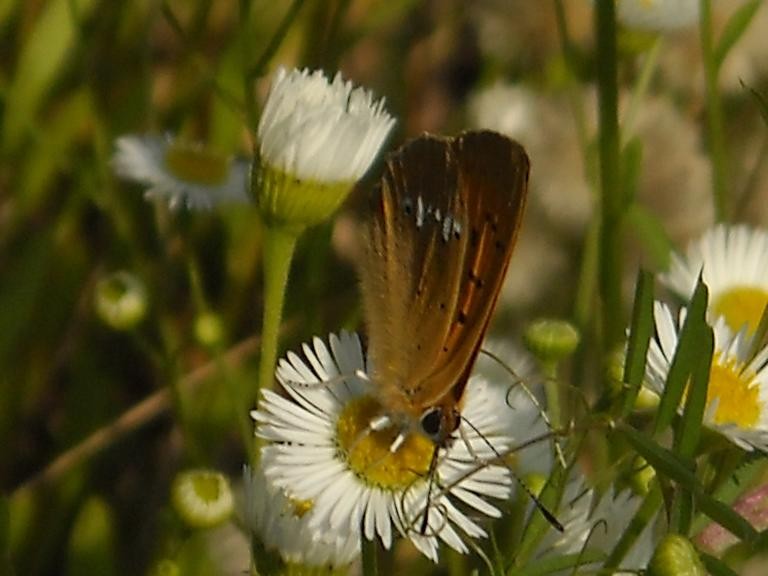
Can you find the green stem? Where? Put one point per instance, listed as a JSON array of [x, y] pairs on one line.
[[552, 391], [715, 133], [641, 88], [610, 190], [279, 245]]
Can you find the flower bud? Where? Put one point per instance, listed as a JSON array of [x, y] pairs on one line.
[[551, 340], [203, 498], [209, 329], [121, 300], [675, 556]]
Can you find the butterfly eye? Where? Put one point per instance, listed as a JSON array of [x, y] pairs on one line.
[[431, 419]]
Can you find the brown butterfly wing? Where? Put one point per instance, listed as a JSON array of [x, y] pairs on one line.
[[444, 222], [493, 180], [410, 269]]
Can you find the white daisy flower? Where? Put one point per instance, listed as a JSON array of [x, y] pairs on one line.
[[318, 130], [734, 263], [598, 521], [181, 174], [524, 396], [737, 395], [283, 524], [320, 447], [658, 15]]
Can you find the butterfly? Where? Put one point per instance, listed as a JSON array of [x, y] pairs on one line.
[[443, 225]]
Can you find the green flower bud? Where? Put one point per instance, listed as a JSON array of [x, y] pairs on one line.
[[675, 556], [643, 476], [209, 329], [203, 498], [551, 340], [121, 300]]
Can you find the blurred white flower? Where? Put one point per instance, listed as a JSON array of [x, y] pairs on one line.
[[599, 521], [659, 15], [180, 173]]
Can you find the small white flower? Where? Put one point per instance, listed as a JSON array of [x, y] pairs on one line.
[[318, 130], [737, 395], [179, 173], [320, 448], [283, 524], [598, 521], [734, 264], [659, 15]]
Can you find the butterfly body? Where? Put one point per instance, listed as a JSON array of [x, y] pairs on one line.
[[445, 219]]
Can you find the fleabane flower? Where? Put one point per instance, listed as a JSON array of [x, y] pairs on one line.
[[733, 261], [180, 173], [597, 521], [658, 15], [321, 447], [737, 395], [283, 524], [315, 139]]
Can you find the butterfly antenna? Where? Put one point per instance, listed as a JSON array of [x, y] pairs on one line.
[[431, 473], [532, 397], [538, 503]]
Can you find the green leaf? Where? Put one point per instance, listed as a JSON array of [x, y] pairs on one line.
[[650, 231], [663, 461], [537, 525], [734, 29], [639, 339], [726, 516], [558, 564], [674, 467], [685, 357], [41, 62], [689, 430], [715, 566]]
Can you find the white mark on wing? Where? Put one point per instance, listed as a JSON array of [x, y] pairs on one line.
[[419, 212], [447, 223]]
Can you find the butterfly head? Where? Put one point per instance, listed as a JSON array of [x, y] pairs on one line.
[[438, 423]]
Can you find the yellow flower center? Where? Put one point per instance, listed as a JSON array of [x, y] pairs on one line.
[[741, 305], [737, 396], [196, 166], [368, 452]]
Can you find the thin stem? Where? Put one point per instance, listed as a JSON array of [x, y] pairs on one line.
[[715, 133], [132, 419], [552, 391], [279, 245], [610, 190], [641, 88]]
